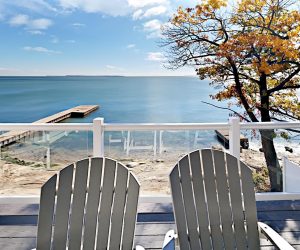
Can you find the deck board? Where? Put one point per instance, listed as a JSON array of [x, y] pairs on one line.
[[18, 223]]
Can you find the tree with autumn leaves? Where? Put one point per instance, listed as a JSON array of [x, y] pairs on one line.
[[249, 49]]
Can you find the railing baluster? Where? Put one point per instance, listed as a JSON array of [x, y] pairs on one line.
[[98, 137], [234, 136]]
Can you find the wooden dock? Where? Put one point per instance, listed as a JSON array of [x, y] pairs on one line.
[[223, 136], [79, 111]]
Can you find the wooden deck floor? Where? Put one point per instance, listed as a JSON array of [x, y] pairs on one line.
[[18, 223]]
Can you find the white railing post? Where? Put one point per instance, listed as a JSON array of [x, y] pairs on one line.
[[154, 144], [234, 136], [98, 137]]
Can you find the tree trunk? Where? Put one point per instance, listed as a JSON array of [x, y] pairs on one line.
[[267, 138], [275, 171]]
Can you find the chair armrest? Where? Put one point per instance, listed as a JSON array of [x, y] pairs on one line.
[[274, 237], [169, 242]]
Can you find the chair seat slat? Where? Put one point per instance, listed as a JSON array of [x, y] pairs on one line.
[[250, 204], [92, 203], [179, 209], [78, 204], [212, 202], [224, 202], [47, 205], [236, 201], [188, 199], [63, 207], [118, 207], [200, 200], [130, 213], [106, 203]]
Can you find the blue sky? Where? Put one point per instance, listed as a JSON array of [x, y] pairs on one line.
[[89, 37]]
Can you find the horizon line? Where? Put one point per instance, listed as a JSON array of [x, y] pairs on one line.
[[79, 75]]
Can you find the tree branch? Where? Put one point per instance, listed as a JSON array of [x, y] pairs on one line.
[[286, 80], [238, 114]]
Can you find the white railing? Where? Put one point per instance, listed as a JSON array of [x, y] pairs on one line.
[[98, 127]]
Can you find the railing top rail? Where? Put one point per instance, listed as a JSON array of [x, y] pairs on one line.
[[269, 125], [143, 126], [164, 126], [46, 126]]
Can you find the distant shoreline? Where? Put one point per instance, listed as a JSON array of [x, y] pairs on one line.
[[3, 76]]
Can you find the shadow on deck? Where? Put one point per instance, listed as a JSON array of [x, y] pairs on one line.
[[18, 223]]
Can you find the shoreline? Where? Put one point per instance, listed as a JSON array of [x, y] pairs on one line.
[[24, 172]]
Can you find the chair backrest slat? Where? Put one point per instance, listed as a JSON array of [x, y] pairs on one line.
[[63, 207], [236, 202], [250, 204], [199, 194], [94, 207], [47, 204], [78, 204], [130, 213], [118, 207], [92, 203], [178, 204], [188, 199], [224, 200], [219, 189], [211, 199], [106, 203]]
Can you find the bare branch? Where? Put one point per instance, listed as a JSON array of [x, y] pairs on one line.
[[233, 111]]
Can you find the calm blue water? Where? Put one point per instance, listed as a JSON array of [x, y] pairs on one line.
[[121, 99]]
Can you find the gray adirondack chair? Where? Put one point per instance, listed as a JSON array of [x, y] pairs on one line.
[[214, 204], [91, 204]]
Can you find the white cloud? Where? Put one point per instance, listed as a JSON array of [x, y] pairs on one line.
[[78, 24], [111, 7], [130, 46], [155, 11], [35, 32], [32, 24], [155, 56], [40, 24], [153, 27], [143, 3], [38, 6], [19, 20], [70, 41], [137, 14], [41, 50]]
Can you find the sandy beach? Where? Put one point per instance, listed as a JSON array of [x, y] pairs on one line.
[[23, 171]]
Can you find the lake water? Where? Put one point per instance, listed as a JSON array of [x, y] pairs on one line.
[[121, 99]]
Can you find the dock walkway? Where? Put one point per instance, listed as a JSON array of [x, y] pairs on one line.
[[223, 136], [79, 111], [18, 223]]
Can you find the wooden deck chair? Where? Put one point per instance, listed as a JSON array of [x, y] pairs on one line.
[[214, 204], [91, 204]]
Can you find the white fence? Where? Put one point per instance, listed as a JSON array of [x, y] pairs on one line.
[[291, 176], [98, 127]]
